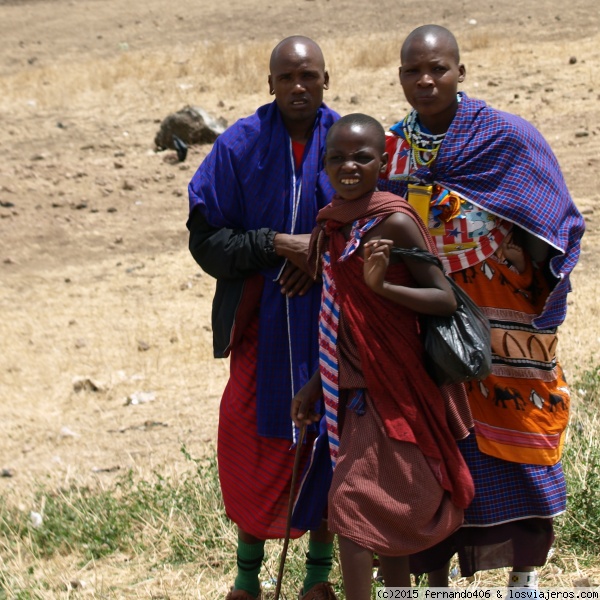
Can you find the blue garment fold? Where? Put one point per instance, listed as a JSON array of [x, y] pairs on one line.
[[310, 506]]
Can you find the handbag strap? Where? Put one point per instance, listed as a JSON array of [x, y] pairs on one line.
[[417, 253], [461, 295]]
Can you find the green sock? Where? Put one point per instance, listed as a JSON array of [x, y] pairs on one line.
[[249, 561], [319, 559]]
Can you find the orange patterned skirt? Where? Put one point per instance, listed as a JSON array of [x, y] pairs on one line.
[[522, 409]]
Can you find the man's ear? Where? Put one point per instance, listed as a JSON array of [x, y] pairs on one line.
[[462, 73], [326, 83], [271, 88]]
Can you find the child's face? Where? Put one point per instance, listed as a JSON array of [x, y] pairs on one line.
[[352, 161]]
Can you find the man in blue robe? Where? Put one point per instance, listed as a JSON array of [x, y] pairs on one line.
[[253, 204]]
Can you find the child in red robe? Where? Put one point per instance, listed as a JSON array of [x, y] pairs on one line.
[[399, 483]]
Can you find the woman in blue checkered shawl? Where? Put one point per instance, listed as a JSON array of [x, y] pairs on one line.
[[508, 231]]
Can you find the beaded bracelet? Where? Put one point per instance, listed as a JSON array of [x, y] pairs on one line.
[[270, 243]]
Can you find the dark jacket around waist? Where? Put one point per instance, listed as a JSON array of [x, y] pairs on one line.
[[234, 258]]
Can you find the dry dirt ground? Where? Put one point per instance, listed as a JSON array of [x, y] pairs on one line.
[[95, 278]]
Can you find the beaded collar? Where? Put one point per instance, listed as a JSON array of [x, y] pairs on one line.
[[424, 145]]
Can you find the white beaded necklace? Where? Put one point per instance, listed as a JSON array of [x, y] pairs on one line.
[[424, 146]]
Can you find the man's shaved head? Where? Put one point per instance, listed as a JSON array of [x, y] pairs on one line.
[[297, 79], [300, 46], [431, 35]]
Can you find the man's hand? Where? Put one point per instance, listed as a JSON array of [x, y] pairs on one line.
[[294, 248], [294, 281], [303, 403]]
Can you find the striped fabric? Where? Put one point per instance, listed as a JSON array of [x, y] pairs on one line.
[[508, 491], [328, 332], [255, 472], [328, 361]]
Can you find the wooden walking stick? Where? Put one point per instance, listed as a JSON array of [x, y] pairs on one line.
[[288, 524]]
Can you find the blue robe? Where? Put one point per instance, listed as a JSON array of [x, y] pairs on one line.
[[247, 182]]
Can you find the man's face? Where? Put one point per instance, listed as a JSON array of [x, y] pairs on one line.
[[429, 76], [352, 163], [297, 79]]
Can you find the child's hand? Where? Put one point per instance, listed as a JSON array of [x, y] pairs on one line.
[[376, 261], [303, 403]]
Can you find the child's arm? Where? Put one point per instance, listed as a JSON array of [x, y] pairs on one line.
[[538, 249], [433, 296]]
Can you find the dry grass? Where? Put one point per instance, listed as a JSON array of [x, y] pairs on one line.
[[87, 288]]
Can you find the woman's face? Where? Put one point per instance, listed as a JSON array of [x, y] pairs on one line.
[[429, 75]]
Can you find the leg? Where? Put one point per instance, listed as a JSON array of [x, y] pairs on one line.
[[250, 553], [357, 563], [395, 571], [322, 535], [248, 538], [319, 559], [523, 577], [439, 577]]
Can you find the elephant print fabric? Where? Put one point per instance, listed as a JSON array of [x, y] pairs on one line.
[[522, 409]]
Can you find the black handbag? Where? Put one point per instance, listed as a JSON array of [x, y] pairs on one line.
[[458, 348]]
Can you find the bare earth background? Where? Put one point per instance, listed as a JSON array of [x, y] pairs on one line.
[[96, 281]]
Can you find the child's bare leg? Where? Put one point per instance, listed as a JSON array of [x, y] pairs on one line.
[[439, 577], [357, 565], [395, 571]]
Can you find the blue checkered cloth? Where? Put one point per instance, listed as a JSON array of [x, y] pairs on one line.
[[247, 182], [501, 163], [507, 491]]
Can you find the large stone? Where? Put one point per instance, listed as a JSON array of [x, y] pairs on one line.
[[192, 125]]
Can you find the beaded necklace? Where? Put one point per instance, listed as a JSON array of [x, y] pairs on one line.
[[424, 146]]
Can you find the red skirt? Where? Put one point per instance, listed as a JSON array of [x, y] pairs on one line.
[[255, 472], [384, 495]]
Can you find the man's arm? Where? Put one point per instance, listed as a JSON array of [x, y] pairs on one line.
[[230, 253]]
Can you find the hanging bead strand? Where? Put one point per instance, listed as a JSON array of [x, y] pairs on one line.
[[424, 146]]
